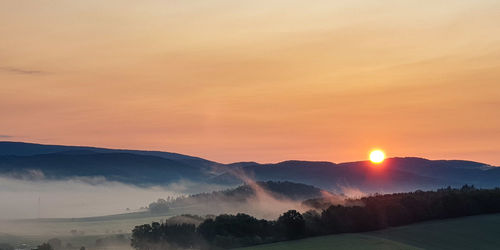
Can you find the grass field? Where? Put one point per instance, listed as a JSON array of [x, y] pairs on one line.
[[345, 241], [475, 232]]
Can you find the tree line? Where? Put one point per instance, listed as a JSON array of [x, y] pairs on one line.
[[373, 213]]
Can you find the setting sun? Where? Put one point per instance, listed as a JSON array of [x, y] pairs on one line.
[[377, 156]]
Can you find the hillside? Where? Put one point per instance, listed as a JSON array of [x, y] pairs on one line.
[[395, 174], [24, 149], [124, 167], [269, 201], [474, 232], [278, 190], [163, 168], [345, 241]]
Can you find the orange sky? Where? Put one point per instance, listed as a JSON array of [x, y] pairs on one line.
[[270, 80]]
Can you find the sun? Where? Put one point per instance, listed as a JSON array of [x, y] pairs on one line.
[[377, 156]]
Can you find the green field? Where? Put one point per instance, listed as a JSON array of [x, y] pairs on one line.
[[475, 232], [345, 241]]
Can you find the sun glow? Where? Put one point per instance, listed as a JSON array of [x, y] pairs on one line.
[[377, 156]]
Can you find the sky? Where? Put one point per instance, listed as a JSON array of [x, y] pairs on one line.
[[266, 81]]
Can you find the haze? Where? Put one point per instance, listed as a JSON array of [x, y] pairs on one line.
[[255, 80], [83, 196]]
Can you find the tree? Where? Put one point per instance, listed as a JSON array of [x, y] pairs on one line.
[[369, 213], [292, 224], [160, 206], [231, 231], [207, 230], [183, 235], [142, 237], [45, 246], [313, 223]]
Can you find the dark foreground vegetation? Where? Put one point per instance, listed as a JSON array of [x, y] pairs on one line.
[[108, 242], [370, 213]]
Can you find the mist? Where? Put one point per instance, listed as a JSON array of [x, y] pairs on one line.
[[263, 204], [30, 197]]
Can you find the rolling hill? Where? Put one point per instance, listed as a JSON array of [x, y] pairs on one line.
[[124, 167], [395, 174], [474, 232], [19, 159], [278, 190]]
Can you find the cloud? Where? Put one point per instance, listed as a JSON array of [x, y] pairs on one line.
[[21, 71], [6, 136]]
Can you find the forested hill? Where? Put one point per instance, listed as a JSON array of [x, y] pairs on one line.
[[30, 149], [376, 212], [22, 160], [163, 168], [265, 199], [393, 175], [278, 190]]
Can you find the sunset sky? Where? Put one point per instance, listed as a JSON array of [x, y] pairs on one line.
[[265, 81]]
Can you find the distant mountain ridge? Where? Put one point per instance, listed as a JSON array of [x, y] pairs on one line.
[[395, 174], [124, 167], [26, 149], [163, 168]]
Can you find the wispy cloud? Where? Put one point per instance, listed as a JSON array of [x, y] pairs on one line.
[[6, 136], [21, 71]]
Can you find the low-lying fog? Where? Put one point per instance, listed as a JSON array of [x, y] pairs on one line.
[[34, 196], [80, 197]]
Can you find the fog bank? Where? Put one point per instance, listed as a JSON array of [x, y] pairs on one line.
[[79, 197]]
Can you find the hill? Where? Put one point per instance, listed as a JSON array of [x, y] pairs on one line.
[[124, 167], [29, 149], [162, 168], [345, 241], [394, 175], [244, 198], [474, 232], [278, 190]]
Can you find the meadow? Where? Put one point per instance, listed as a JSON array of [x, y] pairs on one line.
[[474, 232]]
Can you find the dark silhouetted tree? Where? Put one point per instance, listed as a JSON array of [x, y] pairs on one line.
[[45, 246], [292, 224]]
